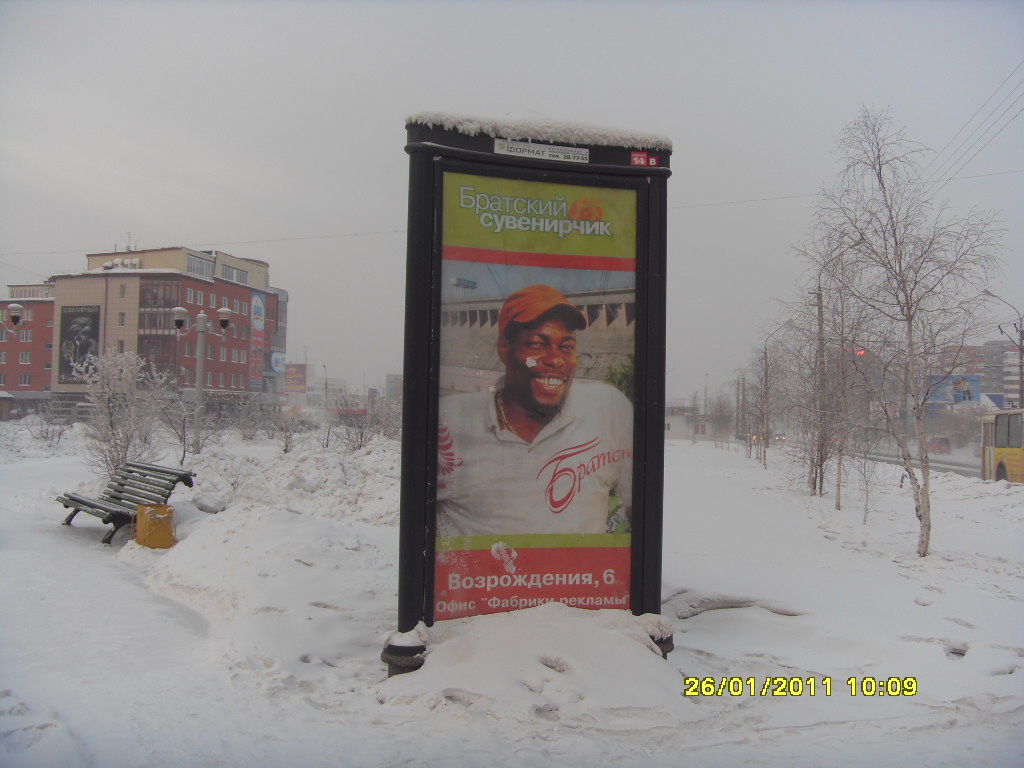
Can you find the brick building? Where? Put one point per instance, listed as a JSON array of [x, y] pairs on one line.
[[124, 302]]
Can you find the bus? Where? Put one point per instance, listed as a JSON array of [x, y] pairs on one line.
[[1002, 445]]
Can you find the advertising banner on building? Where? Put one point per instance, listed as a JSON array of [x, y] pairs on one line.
[[533, 410], [79, 338], [534, 449], [955, 389], [258, 308], [295, 377]]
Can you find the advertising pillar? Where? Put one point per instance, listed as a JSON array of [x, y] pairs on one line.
[[533, 409]]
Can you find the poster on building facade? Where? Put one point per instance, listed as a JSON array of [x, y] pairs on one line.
[[535, 419], [258, 309], [79, 338], [295, 377]]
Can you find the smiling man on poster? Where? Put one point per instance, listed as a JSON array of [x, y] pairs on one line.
[[539, 454]]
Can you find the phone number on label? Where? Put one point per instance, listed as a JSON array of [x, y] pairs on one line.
[[796, 686]]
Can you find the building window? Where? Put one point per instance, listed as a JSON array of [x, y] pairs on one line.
[[245, 332], [234, 275], [3, 335], [190, 296], [199, 297], [26, 334], [245, 308], [24, 379], [121, 318], [209, 352], [25, 358], [213, 301], [3, 358], [120, 346], [3, 379], [159, 292], [234, 381], [242, 356], [200, 266], [220, 379], [224, 301], [122, 290], [223, 354], [209, 378]]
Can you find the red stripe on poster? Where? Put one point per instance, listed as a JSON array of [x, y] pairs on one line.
[[524, 259]]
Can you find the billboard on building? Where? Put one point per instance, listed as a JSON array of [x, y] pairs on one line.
[[955, 389], [533, 410], [79, 338], [258, 308], [295, 377]]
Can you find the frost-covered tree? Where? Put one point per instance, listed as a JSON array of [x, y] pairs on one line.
[[917, 270], [177, 415], [124, 392]]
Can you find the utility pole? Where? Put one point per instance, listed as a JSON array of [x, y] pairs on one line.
[[1019, 343]]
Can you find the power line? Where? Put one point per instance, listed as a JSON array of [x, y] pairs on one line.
[[214, 244], [962, 127], [794, 197], [983, 146], [951, 162]]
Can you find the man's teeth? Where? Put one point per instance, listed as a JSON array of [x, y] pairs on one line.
[[551, 381]]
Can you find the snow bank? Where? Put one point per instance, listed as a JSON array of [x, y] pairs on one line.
[[256, 639]]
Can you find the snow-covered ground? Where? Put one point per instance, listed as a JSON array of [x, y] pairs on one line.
[[255, 641]]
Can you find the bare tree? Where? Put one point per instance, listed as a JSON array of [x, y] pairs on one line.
[[722, 417], [178, 415], [124, 391], [50, 424], [916, 268], [287, 428], [252, 417], [769, 401]]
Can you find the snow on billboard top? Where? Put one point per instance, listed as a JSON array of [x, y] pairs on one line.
[[541, 130]]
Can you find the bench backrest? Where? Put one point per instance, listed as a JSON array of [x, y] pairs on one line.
[[139, 483]]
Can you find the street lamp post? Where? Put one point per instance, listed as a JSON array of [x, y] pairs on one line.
[[1019, 343], [15, 312], [201, 328]]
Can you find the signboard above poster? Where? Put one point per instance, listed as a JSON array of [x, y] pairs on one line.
[[541, 151]]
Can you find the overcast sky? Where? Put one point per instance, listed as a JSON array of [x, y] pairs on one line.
[[276, 131]]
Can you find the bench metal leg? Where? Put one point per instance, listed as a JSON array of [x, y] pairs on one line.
[[117, 525], [69, 518]]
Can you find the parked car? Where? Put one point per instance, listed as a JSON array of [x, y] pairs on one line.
[[940, 445]]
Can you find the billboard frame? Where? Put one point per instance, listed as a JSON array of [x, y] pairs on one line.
[[435, 150]]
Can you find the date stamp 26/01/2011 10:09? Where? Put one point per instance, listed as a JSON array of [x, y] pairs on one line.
[[798, 686]]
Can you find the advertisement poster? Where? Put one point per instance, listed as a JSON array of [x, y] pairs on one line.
[[956, 389], [535, 426], [295, 377], [79, 338], [259, 313]]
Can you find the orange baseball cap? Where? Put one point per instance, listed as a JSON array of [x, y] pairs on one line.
[[529, 303]]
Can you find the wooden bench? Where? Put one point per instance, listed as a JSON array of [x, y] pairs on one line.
[[134, 483]]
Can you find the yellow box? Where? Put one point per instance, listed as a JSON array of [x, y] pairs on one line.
[[153, 526]]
